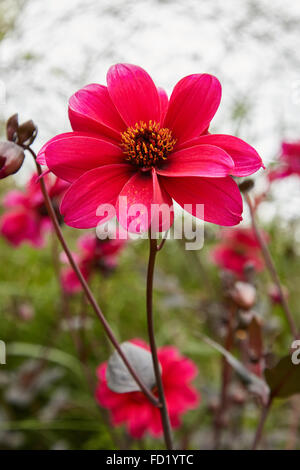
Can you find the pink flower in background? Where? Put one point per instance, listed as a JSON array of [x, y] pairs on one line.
[[134, 409], [274, 293], [26, 217], [238, 249], [94, 254], [289, 162], [131, 141]]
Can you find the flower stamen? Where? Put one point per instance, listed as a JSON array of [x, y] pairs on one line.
[[146, 145]]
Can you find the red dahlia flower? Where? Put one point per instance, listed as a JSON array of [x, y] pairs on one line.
[[289, 162], [238, 249], [135, 410], [95, 254], [27, 218], [130, 140]]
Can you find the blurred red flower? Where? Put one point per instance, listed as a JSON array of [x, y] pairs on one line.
[[274, 293], [95, 254], [134, 409], [289, 161], [238, 249], [130, 140], [26, 218]]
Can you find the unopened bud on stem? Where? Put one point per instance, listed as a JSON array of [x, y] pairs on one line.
[[11, 158], [243, 294]]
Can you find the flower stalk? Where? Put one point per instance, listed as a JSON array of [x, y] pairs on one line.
[[272, 270], [165, 419], [263, 417], [226, 378]]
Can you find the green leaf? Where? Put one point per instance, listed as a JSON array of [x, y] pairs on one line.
[[50, 354], [251, 381], [284, 378]]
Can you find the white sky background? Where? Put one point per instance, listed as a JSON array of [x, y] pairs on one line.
[[252, 46]]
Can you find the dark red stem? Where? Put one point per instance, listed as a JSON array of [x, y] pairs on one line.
[[272, 269], [165, 419]]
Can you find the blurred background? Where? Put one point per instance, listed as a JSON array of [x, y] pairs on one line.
[[48, 50]]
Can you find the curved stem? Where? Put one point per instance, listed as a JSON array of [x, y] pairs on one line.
[[149, 298], [160, 246], [260, 427], [226, 378], [272, 269], [86, 288]]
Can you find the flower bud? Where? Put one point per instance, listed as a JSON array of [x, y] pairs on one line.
[[245, 317], [12, 128], [246, 185], [243, 294], [11, 158], [23, 134], [27, 133]]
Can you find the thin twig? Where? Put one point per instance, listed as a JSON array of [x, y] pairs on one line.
[[272, 269]]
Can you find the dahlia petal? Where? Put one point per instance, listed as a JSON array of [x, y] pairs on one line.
[[41, 156], [134, 203], [58, 187], [162, 213], [175, 420], [133, 93], [245, 157], [101, 372], [185, 367], [122, 412], [139, 420], [291, 149], [91, 110], [231, 259], [245, 238], [182, 398], [87, 243], [167, 355], [107, 398], [199, 160], [70, 281], [193, 104], [220, 196], [98, 186], [155, 426], [72, 156]]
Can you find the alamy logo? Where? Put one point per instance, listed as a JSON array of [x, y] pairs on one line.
[[2, 352], [296, 353]]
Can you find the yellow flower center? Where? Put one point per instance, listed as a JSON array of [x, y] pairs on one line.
[[146, 145]]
